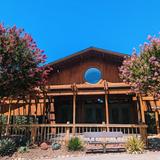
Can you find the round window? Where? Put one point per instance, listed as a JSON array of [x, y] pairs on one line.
[[92, 75]]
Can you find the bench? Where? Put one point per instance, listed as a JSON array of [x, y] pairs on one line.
[[106, 139]]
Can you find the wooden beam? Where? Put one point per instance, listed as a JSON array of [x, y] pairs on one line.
[[147, 98], [87, 85], [15, 101], [89, 92]]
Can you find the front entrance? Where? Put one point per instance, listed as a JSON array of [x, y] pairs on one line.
[[92, 108]]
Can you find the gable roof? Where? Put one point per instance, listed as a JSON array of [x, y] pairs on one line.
[[84, 51]]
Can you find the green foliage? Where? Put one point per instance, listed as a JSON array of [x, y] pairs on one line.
[[3, 121], [23, 149], [20, 120], [7, 147], [20, 140], [75, 144], [134, 145]]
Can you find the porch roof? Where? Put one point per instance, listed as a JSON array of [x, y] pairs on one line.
[[89, 89]]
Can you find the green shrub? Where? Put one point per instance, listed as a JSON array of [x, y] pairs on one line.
[[3, 121], [7, 147], [20, 140], [75, 144], [134, 145]]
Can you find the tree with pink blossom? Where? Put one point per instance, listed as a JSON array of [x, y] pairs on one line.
[[142, 71], [22, 68]]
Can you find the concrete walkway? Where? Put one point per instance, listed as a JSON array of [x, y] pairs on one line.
[[118, 156]]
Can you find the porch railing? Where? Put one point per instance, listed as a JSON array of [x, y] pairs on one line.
[[62, 132]]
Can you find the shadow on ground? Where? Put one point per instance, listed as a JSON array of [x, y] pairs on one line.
[[154, 144]]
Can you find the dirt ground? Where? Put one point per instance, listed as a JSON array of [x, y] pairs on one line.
[[36, 153]]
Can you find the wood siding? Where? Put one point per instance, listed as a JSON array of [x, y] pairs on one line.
[[73, 71]]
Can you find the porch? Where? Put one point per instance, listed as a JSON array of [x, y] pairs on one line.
[[70, 110]]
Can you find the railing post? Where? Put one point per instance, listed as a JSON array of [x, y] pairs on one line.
[[67, 133], [33, 134], [103, 127]]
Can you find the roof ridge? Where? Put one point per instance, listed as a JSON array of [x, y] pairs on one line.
[[85, 50]]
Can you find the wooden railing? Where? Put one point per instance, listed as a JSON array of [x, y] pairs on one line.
[[62, 132], [125, 128]]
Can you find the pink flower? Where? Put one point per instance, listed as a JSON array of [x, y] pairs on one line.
[[149, 37]]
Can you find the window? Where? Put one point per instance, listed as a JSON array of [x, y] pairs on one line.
[[92, 75]]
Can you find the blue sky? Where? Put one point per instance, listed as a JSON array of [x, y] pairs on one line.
[[62, 27]]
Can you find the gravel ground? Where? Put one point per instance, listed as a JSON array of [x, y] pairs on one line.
[[46, 155], [37, 154], [116, 156]]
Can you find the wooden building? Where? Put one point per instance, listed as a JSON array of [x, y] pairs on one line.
[[85, 92]]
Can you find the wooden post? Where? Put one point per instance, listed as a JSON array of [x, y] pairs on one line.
[[157, 121], [74, 114], [107, 111], [138, 110], [9, 114], [143, 129], [67, 134], [142, 109], [52, 115], [74, 109], [44, 107], [29, 110], [106, 104]]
